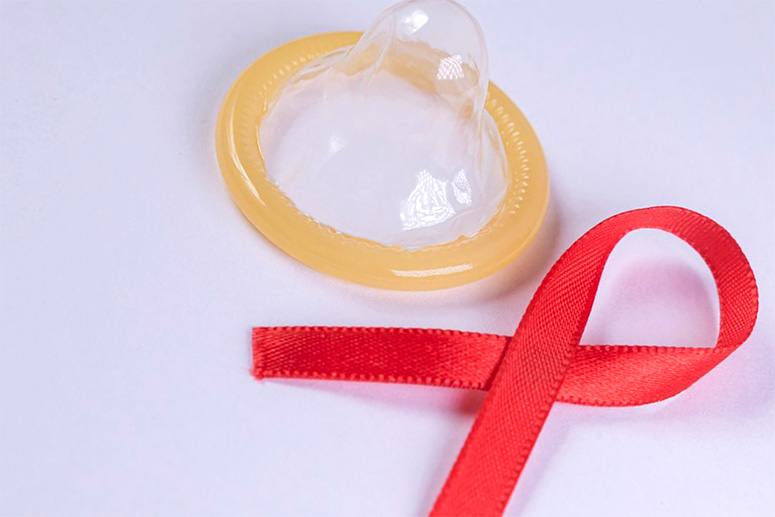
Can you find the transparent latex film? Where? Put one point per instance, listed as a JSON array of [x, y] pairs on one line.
[[389, 140]]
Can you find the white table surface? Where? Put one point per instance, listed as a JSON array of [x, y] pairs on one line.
[[129, 281]]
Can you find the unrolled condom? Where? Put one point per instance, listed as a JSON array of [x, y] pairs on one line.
[[385, 158], [389, 140]]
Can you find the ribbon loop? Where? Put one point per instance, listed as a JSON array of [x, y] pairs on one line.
[[542, 363]]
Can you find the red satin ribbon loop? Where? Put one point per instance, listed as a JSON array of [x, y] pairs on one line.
[[542, 363]]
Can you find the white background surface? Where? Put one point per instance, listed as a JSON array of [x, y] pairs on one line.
[[129, 281]]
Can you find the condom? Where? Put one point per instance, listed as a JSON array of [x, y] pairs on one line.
[[385, 158]]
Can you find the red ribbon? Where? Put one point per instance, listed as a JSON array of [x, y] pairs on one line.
[[541, 364]]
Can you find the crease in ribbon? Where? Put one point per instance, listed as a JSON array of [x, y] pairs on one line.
[[542, 363]]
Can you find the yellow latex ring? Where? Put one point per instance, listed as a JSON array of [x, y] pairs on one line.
[[361, 260]]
